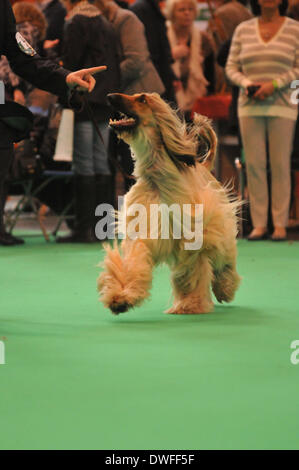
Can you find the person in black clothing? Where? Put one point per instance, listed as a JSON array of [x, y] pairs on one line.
[[149, 13], [40, 72], [31, 24], [89, 37], [55, 13]]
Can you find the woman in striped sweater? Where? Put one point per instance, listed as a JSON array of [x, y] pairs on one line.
[[263, 62]]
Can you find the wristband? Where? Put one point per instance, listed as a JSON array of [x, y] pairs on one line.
[[275, 84]]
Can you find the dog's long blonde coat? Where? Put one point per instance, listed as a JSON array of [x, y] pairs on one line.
[[161, 144]]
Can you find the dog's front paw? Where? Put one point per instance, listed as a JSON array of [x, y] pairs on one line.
[[174, 311], [112, 294], [183, 309]]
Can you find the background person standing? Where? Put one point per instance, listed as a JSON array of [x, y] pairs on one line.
[[265, 54], [42, 73]]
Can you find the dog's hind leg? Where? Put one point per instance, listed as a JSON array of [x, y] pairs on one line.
[[226, 280], [191, 286], [127, 279]]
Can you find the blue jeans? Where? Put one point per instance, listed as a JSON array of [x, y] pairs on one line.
[[90, 155]]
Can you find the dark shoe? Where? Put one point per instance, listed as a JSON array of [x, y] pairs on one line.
[[16, 240], [6, 239]]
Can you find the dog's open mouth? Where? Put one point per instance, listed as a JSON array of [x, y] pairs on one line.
[[123, 122]]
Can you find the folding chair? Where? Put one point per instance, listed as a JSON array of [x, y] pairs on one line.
[[32, 188]]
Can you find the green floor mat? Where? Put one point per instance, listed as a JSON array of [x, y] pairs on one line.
[[77, 377]]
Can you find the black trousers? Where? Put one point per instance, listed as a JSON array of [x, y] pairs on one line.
[[6, 156]]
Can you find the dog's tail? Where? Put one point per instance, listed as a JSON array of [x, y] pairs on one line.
[[203, 130]]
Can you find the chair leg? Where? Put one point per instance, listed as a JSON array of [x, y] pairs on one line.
[[63, 216], [27, 186]]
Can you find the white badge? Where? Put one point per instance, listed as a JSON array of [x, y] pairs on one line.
[[24, 46]]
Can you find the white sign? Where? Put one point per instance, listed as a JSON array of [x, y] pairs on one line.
[[2, 353]]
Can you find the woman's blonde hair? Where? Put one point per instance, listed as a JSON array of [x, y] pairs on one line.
[[25, 11], [170, 4]]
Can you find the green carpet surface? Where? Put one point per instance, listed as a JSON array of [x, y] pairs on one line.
[[77, 377]]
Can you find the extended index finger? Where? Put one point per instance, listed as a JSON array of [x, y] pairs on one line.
[[94, 70]]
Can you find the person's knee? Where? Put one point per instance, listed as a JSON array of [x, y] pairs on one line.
[[255, 167]]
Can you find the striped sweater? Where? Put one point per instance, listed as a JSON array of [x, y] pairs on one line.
[[251, 59]]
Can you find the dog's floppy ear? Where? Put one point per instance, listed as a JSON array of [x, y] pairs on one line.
[[188, 160], [172, 132], [180, 160]]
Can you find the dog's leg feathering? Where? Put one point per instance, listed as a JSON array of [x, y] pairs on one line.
[[226, 282], [191, 286], [126, 281]]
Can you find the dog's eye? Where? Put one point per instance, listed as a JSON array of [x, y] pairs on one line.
[[142, 99]]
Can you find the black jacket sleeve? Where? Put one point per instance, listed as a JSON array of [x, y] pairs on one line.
[[39, 71]]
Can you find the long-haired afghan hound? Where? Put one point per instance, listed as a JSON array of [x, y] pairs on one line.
[[169, 171]]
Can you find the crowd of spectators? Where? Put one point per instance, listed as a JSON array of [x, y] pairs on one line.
[[152, 47]]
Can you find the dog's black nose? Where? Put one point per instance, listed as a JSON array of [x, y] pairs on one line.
[[113, 98]]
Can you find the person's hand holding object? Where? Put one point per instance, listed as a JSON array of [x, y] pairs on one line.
[[263, 90]]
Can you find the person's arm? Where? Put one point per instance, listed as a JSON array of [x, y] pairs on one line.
[[283, 80], [39, 71], [150, 35], [233, 67], [49, 76], [133, 46], [36, 70]]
